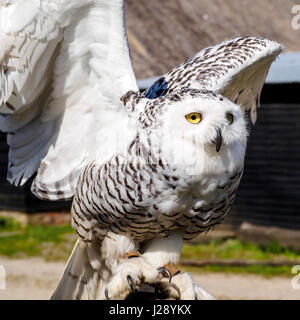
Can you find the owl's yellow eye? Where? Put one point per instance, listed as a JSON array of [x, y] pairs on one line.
[[194, 117], [229, 117]]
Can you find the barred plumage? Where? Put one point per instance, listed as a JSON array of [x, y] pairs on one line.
[[147, 171], [122, 195]]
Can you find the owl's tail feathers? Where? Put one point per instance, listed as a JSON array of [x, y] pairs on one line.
[[80, 279]]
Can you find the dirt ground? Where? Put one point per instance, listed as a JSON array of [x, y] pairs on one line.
[[36, 279]]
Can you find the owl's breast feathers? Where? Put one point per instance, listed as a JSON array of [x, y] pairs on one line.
[[139, 195]]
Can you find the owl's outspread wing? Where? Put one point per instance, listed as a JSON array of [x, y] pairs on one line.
[[235, 68], [63, 67]]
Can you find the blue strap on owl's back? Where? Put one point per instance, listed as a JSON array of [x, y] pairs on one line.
[[158, 89]]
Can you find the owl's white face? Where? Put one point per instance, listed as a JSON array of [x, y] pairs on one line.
[[205, 121], [194, 129]]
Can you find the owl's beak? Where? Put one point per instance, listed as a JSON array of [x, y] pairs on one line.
[[218, 139]]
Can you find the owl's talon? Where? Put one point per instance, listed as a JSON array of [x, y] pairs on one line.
[[106, 294], [129, 280], [132, 257], [165, 270]]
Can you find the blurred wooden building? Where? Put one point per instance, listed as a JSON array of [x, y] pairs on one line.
[[269, 193]]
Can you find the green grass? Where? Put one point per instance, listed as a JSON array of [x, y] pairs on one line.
[[236, 249], [9, 224], [51, 242], [265, 271], [56, 243]]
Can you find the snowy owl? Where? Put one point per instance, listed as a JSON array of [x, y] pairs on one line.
[[146, 170]]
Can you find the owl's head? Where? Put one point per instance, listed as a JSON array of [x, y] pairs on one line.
[[190, 126], [195, 117]]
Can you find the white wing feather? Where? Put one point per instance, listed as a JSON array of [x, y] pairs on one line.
[[65, 109], [235, 68], [247, 62], [28, 40]]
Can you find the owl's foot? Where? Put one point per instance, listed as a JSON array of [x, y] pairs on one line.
[[132, 270], [183, 287]]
